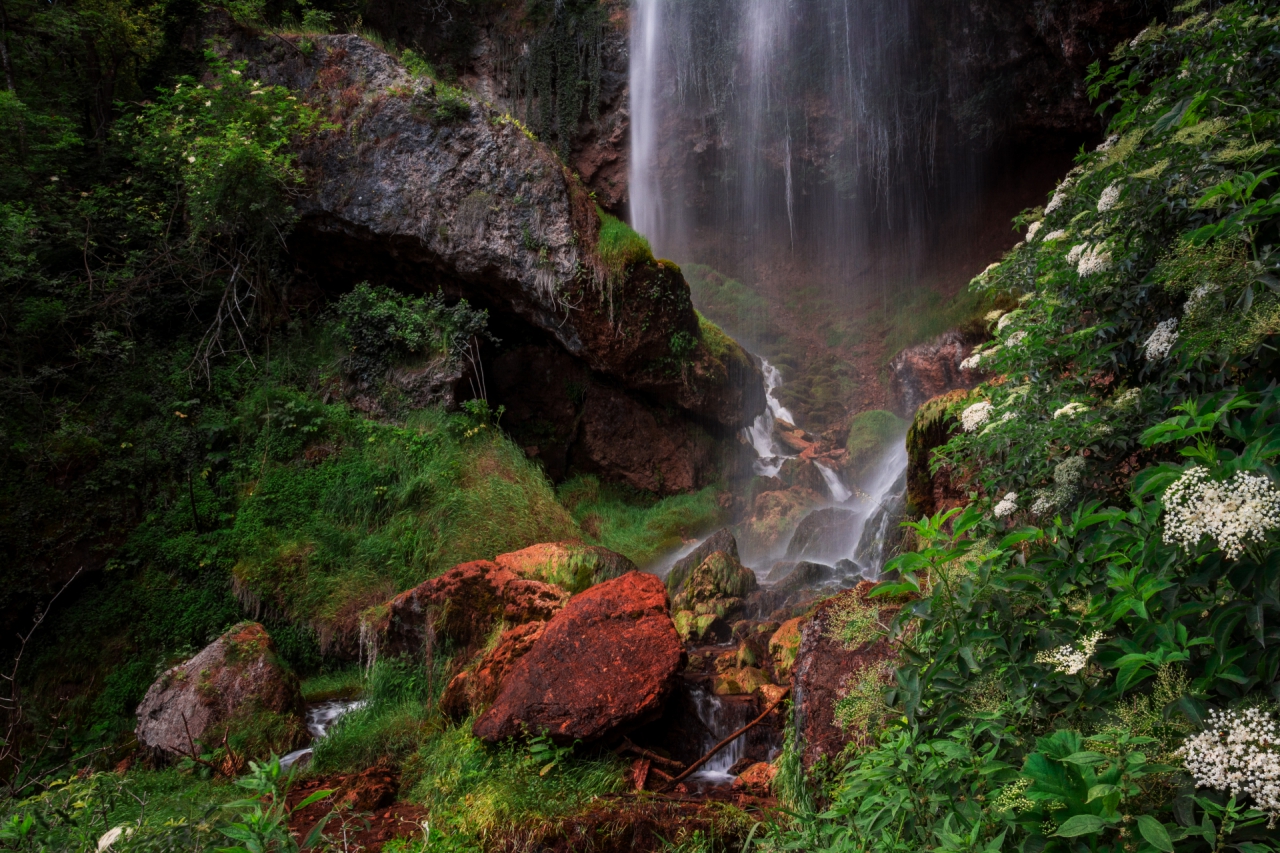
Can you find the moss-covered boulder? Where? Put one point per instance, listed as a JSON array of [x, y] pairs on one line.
[[570, 565], [236, 691], [784, 645], [717, 586], [740, 681], [698, 627], [774, 516], [934, 424], [721, 540]]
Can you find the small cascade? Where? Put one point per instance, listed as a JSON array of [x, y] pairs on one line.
[[714, 714], [839, 492], [320, 719], [762, 434]]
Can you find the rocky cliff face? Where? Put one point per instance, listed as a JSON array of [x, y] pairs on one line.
[[424, 187]]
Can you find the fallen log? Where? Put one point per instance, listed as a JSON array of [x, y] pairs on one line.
[[730, 739]]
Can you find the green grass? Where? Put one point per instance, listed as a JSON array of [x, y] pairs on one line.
[[870, 432], [620, 246], [391, 507], [635, 525], [344, 683]]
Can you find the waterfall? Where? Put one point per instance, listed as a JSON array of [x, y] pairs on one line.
[[762, 434], [646, 201], [711, 711]]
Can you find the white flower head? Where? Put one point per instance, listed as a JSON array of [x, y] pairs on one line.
[[1110, 197], [1108, 142], [1069, 659], [1016, 338], [972, 362], [1044, 503], [1198, 295], [1006, 320], [1033, 230], [1007, 506], [1095, 260], [1059, 196], [992, 316], [975, 416], [1233, 513], [1127, 399], [1008, 416], [1162, 340], [1053, 236], [1073, 257], [1239, 752], [1070, 410], [111, 836]]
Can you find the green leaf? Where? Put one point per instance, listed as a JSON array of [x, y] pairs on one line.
[[1155, 833], [318, 795], [1085, 758], [1101, 791], [1081, 824]]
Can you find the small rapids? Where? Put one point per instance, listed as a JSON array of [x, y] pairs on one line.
[[713, 713], [320, 719], [762, 434]]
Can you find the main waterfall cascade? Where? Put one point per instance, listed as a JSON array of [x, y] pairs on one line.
[[771, 132]]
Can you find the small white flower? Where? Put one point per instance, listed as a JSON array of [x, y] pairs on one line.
[[1233, 513], [1059, 196], [1007, 506], [1128, 398], [1073, 257], [1043, 504], [235, 72], [1053, 236], [1016, 338], [975, 416], [1006, 320], [1110, 197], [111, 836], [1162, 340], [191, 159], [1068, 659], [1110, 141], [992, 316], [1197, 296], [1070, 410], [1033, 230], [1096, 260], [1137, 40], [972, 362]]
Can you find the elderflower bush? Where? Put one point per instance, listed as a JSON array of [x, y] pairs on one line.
[[1239, 753], [1142, 531]]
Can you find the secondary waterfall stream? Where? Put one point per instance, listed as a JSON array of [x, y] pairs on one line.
[[320, 719]]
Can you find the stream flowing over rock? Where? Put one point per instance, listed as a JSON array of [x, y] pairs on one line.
[[603, 665], [235, 688]]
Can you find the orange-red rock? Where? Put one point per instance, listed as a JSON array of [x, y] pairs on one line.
[[604, 664], [475, 687], [463, 605]]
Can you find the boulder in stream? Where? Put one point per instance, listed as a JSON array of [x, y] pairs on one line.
[[721, 540], [604, 664], [236, 689], [718, 585], [824, 534], [474, 688]]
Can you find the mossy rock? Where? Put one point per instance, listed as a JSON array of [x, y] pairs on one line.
[[784, 645], [740, 681], [570, 565], [934, 424], [721, 540], [717, 578], [694, 627]]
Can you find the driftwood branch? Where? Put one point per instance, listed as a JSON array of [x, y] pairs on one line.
[[731, 738], [628, 746], [195, 756]]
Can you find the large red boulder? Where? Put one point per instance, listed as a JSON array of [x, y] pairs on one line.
[[475, 687], [604, 664], [462, 605]]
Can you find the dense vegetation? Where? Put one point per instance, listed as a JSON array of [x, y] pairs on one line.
[[1089, 651]]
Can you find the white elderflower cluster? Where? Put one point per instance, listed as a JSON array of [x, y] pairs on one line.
[[1239, 753], [975, 416], [1070, 410], [1069, 659], [1007, 319], [1127, 399], [972, 362], [1008, 416], [1033, 230], [1095, 260], [1073, 257], [1161, 340], [1054, 235], [1137, 40], [1007, 506], [992, 316], [1109, 198], [1059, 196], [1110, 141], [1044, 503], [1016, 338], [1197, 296], [1233, 513]]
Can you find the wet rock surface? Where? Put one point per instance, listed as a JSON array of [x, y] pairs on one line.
[[930, 491], [474, 688], [824, 667], [572, 566], [823, 533], [604, 664], [236, 687], [462, 606], [924, 371]]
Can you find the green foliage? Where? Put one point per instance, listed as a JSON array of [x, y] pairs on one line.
[[560, 72], [620, 247], [639, 526], [1058, 649], [260, 822], [379, 328]]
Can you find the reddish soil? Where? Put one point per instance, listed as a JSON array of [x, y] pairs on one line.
[[365, 809]]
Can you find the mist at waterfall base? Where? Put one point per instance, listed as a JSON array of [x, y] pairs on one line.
[[837, 148]]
